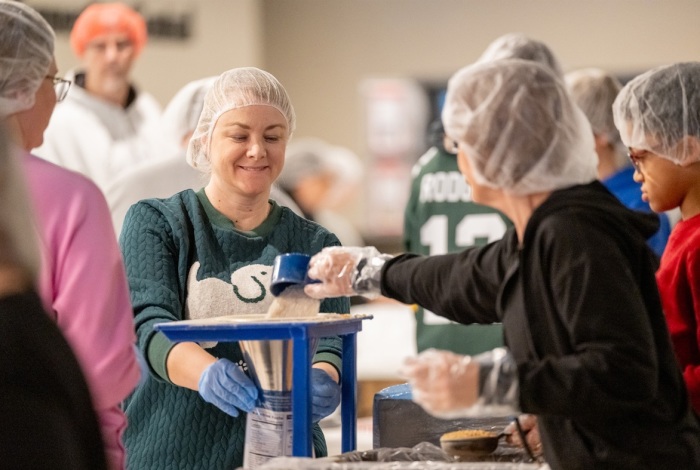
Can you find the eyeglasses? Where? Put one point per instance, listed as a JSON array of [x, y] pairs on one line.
[[637, 159], [61, 86]]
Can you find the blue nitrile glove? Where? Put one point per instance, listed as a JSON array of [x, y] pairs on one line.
[[325, 395], [225, 385], [143, 365]]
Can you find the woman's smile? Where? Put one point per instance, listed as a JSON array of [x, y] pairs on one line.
[[256, 168]]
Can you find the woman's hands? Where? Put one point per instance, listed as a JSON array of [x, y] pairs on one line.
[[218, 381], [226, 386], [345, 271], [325, 394], [445, 384], [335, 268], [528, 423]]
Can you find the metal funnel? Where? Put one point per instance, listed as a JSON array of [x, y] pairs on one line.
[[270, 362]]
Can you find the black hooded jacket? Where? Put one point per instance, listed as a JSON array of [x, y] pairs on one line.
[[583, 320]]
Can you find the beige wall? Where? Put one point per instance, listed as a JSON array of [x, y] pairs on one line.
[[321, 49]]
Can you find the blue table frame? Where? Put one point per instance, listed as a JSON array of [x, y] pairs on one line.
[[253, 327]]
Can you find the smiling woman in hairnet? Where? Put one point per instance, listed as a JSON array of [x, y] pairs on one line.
[[210, 253], [572, 282]]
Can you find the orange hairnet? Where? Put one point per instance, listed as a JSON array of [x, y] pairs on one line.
[[102, 18]]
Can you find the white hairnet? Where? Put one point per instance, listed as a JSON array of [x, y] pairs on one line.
[[594, 91], [519, 46], [26, 52], [236, 88], [657, 110], [303, 158], [519, 128], [181, 115], [312, 156]]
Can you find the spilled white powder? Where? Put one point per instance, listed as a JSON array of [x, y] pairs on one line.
[[293, 303]]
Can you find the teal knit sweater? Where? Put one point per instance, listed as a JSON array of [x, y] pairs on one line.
[[185, 260]]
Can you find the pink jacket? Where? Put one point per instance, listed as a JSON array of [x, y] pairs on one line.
[[83, 285]]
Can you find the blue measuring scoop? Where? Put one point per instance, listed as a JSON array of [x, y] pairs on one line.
[[289, 269]]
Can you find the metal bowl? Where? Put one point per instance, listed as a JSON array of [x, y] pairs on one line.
[[469, 443]]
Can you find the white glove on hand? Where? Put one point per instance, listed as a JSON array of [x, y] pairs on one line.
[[450, 385], [345, 271], [445, 384]]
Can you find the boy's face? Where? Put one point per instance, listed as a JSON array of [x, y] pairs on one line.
[[664, 184]]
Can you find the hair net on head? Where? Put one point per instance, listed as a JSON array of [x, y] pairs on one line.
[[519, 46], [656, 110], [304, 157], [181, 115], [518, 127], [102, 18], [594, 91], [26, 52], [236, 88], [311, 156]]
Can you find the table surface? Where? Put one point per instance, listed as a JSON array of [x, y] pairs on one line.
[[258, 326]]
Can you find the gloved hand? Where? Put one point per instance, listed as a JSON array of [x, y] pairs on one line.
[[325, 395], [226, 386], [346, 271], [450, 385], [445, 384]]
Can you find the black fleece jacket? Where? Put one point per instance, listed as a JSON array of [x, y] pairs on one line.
[[583, 321]]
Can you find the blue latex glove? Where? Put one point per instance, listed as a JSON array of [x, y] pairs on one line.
[[225, 385], [325, 395], [143, 365]]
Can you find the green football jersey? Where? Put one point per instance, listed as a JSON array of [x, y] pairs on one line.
[[440, 217]]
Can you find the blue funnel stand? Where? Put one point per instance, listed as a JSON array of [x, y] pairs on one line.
[[302, 332], [348, 402]]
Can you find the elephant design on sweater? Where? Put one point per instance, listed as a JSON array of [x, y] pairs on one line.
[[247, 293]]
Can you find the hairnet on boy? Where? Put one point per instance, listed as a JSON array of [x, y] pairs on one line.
[[26, 52], [519, 46], [99, 19], [518, 127], [658, 109], [236, 88]]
